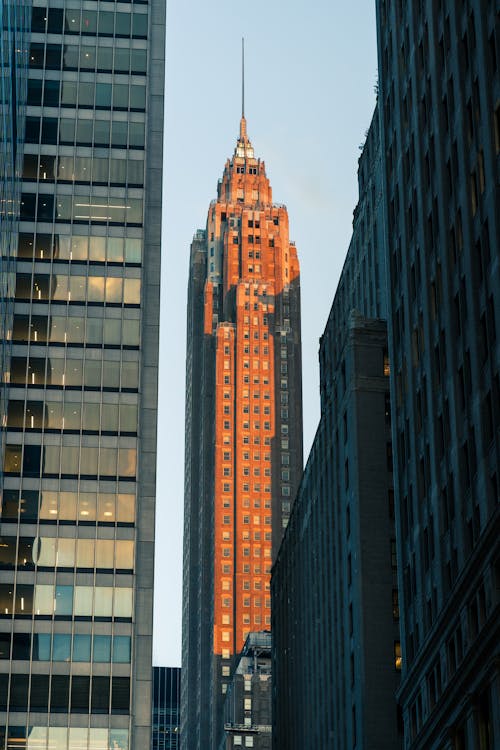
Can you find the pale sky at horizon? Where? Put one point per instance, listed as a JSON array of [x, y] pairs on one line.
[[311, 70]]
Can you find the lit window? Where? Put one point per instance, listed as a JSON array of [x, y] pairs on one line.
[[398, 659]]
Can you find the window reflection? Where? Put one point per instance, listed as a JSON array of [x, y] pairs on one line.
[[60, 738], [81, 648], [36, 737], [75, 247], [72, 330], [103, 601], [78, 288], [92, 507], [63, 600], [48, 552], [78, 738], [61, 649]]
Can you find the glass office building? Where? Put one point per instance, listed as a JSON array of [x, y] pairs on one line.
[[14, 19], [166, 708], [80, 376]]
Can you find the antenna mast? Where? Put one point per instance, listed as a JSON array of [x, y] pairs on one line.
[[243, 77]]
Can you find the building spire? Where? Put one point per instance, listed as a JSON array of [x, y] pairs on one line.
[[243, 122], [243, 76]]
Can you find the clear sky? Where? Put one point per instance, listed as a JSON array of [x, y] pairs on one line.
[[311, 69]]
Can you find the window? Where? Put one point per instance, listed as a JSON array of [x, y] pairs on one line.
[[398, 660], [394, 559]]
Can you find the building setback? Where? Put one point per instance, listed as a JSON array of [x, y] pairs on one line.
[[336, 651], [248, 704], [165, 733], [80, 378], [440, 115], [243, 429]]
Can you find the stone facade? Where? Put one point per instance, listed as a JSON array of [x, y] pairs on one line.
[[243, 429], [440, 127]]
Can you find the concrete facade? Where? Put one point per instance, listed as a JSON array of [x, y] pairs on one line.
[[78, 464], [440, 124], [243, 430]]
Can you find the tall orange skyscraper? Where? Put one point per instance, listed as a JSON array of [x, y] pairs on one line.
[[243, 429]]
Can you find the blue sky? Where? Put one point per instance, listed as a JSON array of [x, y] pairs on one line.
[[311, 69]]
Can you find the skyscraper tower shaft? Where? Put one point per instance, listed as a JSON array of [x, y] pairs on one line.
[[243, 428], [81, 105]]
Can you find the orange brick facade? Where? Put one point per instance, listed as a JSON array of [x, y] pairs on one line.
[[257, 263], [244, 421]]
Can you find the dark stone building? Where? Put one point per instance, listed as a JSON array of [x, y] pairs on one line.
[[336, 651], [165, 725], [439, 100], [248, 705]]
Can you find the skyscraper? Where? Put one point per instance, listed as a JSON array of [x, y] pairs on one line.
[[440, 125], [243, 429], [14, 37], [336, 649], [80, 377], [166, 704]]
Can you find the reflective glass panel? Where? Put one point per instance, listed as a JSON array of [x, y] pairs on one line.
[[24, 599], [58, 738], [6, 598], [121, 649], [36, 738], [103, 605], [63, 600], [115, 244], [87, 506], [67, 505], [96, 289], [45, 552], [109, 418], [83, 601], [97, 250], [123, 602], [48, 509], [91, 418], [132, 292], [127, 462], [65, 553], [41, 646], [128, 418], [106, 508], [124, 555], [98, 739], [44, 599], [88, 463], [69, 459], [130, 374], [118, 739], [81, 648], [61, 649], [125, 511], [102, 648], [104, 553], [78, 737], [107, 462], [85, 553], [133, 250]]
